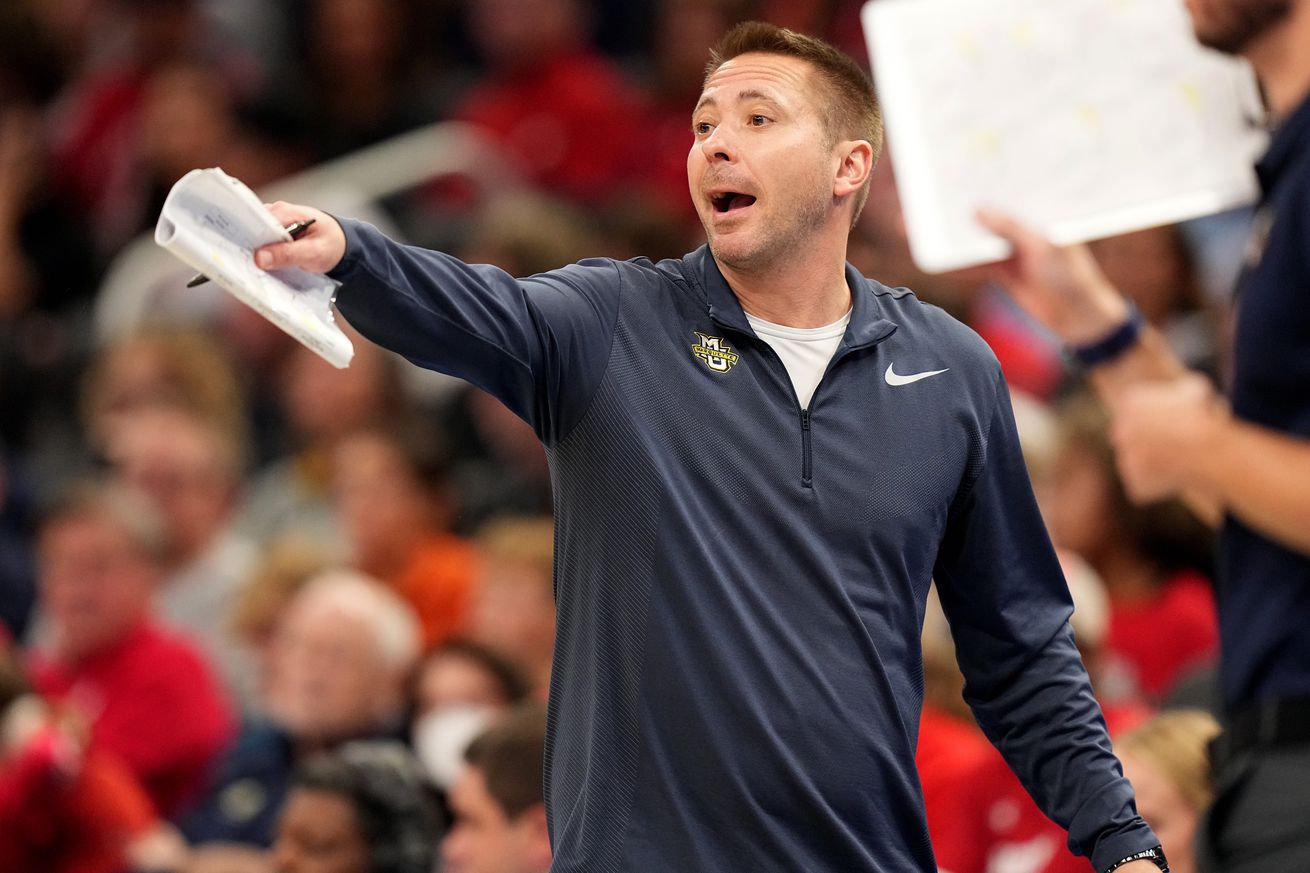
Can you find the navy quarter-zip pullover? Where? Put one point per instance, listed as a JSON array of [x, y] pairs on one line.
[[741, 582]]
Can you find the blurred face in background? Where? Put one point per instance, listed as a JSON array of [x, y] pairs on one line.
[[519, 33], [323, 403], [327, 678], [383, 510], [95, 583], [181, 465], [319, 833], [514, 613], [484, 839], [1160, 802], [355, 37], [1076, 498], [452, 679], [1151, 268]]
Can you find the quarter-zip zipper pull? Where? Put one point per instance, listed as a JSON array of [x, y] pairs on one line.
[[807, 475]]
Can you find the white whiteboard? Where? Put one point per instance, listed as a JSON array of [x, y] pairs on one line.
[[1084, 118]]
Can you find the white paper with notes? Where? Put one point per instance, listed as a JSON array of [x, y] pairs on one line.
[[1084, 118], [214, 223]]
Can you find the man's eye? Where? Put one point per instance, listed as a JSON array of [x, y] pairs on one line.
[[701, 127], [759, 120]]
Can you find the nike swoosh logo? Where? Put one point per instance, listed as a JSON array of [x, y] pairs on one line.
[[894, 378]]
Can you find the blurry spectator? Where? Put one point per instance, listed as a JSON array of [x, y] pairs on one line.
[[190, 470], [63, 808], [161, 366], [190, 117], [560, 110], [363, 74], [339, 671], [292, 495], [17, 574], [227, 858], [987, 821], [148, 696], [951, 746], [284, 568], [1154, 268], [459, 689], [1167, 761], [500, 817], [364, 808], [395, 505], [685, 30], [95, 125], [47, 271], [527, 232], [463, 673], [497, 462], [47, 263], [1162, 619], [514, 607]]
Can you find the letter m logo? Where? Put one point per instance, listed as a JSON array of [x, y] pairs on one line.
[[715, 352]]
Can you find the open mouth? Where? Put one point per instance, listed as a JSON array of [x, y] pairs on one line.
[[730, 200]]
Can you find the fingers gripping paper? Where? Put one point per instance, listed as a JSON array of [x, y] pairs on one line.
[[214, 223], [1084, 118]]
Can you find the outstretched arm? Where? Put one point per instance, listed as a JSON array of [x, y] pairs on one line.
[[539, 344]]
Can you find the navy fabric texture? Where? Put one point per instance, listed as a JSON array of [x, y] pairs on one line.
[[1263, 588], [741, 582]]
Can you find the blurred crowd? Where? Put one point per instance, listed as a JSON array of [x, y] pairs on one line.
[[257, 613]]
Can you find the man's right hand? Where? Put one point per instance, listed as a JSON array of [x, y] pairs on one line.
[[318, 250], [1060, 286]]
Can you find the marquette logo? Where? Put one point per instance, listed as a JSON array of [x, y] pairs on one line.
[[715, 352]]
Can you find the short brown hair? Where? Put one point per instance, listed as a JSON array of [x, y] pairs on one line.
[[852, 110], [511, 755]]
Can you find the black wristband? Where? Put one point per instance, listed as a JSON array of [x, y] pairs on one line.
[[1113, 344], [1155, 855]]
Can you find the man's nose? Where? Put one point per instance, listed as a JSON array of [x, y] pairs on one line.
[[719, 146]]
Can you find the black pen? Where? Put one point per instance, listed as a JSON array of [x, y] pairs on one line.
[[296, 230]]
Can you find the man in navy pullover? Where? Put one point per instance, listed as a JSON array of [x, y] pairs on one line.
[[760, 459]]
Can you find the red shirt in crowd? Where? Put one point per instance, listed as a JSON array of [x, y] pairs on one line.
[[569, 124], [64, 814], [152, 702], [1161, 637], [986, 821], [949, 751]]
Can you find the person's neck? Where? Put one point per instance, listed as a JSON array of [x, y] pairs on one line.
[[800, 292], [1282, 63]]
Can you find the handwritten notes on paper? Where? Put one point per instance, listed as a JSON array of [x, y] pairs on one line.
[[214, 223]]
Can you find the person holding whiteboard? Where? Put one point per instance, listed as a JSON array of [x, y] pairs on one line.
[[1244, 460]]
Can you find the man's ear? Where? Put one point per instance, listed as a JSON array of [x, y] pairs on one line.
[[857, 161]]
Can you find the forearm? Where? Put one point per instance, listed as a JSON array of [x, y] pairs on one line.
[[1002, 589], [1259, 476], [1149, 360]]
